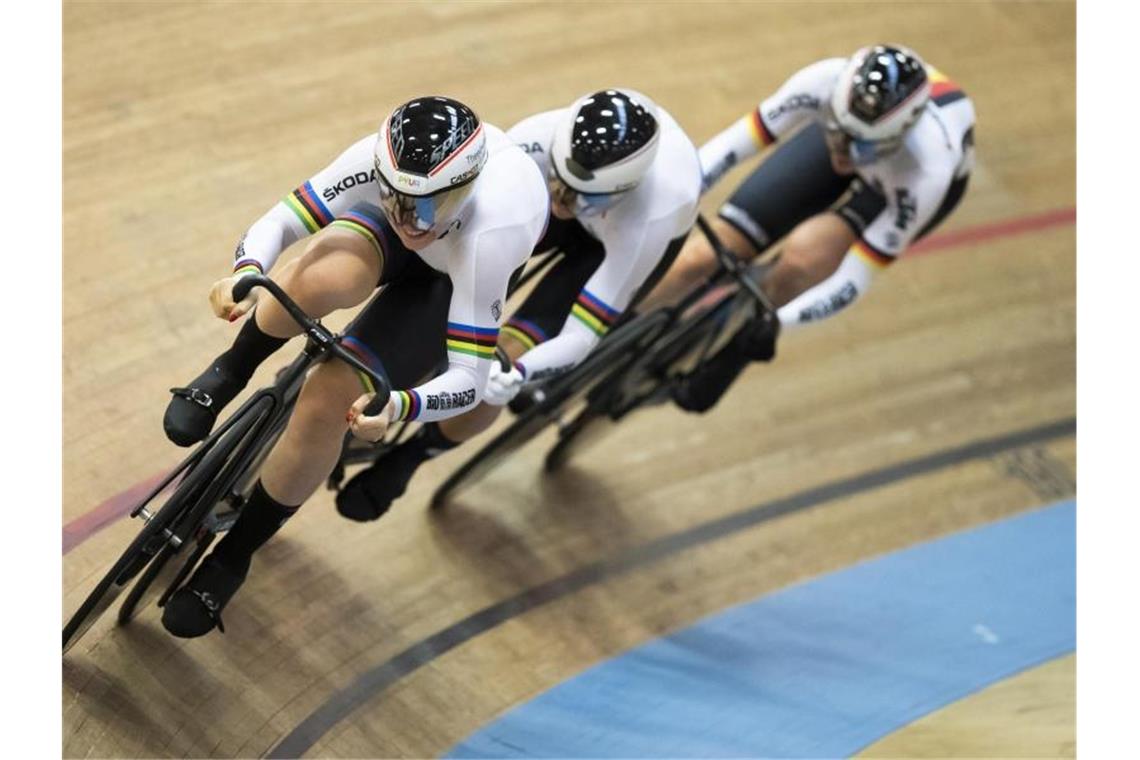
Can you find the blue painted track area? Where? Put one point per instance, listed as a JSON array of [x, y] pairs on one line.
[[826, 667]]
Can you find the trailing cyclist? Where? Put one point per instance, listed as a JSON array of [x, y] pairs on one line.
[[871, 153], [439, 207], [624, 184]]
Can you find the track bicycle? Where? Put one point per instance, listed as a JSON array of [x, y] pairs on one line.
[[634, 365], [208, 489]]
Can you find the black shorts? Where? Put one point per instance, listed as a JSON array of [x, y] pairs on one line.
[[402, 332], [796, 182], [546, 308]]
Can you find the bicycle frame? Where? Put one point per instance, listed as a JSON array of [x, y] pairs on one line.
[[625, 353], [208, 476]]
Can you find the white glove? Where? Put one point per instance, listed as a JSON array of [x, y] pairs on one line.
[[502, 386]]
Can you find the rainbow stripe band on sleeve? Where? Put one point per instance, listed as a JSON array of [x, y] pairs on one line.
[[593, 312], [362, 224], [248, 266], [525, 332], [308, 207], [872, 255], [473, 341], [760, 131], [410, 405]]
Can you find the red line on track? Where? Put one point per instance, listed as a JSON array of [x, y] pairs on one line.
[[1008, 228], [86, 525], [83, 527]]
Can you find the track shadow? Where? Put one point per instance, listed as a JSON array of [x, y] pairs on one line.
[[484, 543], [552, 545], [295, 620], [294, 599], [145, 692]]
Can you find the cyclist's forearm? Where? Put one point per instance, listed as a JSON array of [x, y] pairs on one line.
[[727, 149], [262, 244], [309, 208], [838, 291], [558, 354], [456, 391]]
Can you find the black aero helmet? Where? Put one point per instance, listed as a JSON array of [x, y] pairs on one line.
[[880, 93], [426, 148], [606, 142]]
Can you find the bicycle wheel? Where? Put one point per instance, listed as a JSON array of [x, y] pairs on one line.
[[159, 528], [607, 360], [638, 385], [160, 563], [645, 378], [573, 437], [162, 576]]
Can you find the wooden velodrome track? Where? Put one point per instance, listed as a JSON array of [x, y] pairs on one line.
[[184, 122]]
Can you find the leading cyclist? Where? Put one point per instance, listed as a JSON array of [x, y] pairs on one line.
[[871, 153], [441, 209]]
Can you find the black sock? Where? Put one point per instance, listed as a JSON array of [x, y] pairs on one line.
[[700, 391], [250, 349], [430, 441], [261, 517]]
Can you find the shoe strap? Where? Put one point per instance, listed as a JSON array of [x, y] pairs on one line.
[[212, 605], [197, 395]]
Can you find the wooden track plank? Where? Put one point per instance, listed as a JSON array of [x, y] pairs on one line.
[[183, 122]]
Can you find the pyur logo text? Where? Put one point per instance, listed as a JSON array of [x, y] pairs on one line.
[[907, 208]]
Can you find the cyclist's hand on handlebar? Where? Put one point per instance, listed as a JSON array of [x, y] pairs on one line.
[[368, 427], [222, 300], [502, 386]]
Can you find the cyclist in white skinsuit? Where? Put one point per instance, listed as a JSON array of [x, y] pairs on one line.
[[871, 153], [624, 183], [440, 209], [633, 237]]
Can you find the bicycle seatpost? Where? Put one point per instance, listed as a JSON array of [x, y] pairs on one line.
[[732, 264]]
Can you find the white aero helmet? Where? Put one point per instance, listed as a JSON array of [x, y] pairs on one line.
[[880, 94], [604, 145], [427, 153]]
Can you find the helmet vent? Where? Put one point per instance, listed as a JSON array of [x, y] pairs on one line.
[[578, 170]]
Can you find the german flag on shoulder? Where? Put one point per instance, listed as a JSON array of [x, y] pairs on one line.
[[943, 91]]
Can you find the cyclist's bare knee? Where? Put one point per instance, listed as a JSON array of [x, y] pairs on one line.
[[809, 255], [693, 264], [512, 346], [732, 239], [311, 443], [696, 263], [338, 269]]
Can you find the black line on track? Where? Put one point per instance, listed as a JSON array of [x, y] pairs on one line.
[[377, 679]]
